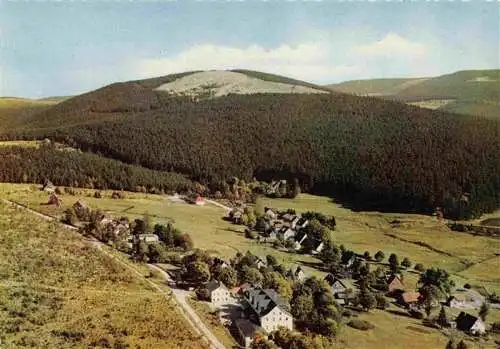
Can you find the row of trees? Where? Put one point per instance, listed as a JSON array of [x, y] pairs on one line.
[[368, 152]]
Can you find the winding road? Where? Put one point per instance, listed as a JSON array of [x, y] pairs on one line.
[[179, 295]]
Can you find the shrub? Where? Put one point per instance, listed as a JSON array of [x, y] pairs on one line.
[[58, 191], [203, 294], [406, 263], [495, 327], [381, 301], [362, 325], [468, 286], [367, 256], [379, 256], [419, 267], [117, 195], [249, 234]]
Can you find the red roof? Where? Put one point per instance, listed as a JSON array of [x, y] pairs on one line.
[[410, 297]]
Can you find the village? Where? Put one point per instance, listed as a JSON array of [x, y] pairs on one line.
[[255, 296]]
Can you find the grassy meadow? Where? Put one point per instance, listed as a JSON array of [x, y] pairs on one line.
[[57, 291]]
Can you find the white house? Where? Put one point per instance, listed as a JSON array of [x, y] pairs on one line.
[[270, 310], [286, 233], [219, 293], [149, 238]]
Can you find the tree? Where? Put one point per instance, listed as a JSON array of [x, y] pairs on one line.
[[252, 275], [367, 300], [406, 262], [394, 262], [462, 345], [278, 282], [203, 294], [69, 216], [379, 256], [141, 251], [261, 224], [438, 278], [430, 294], [228, 277], [442, 319], [419, 267], [197, 272], [484, 310], [382, 302], [271, 260], [366, 255], [260, 342], [451, 345]]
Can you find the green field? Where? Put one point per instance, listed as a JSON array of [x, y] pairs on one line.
[[57, 291], [421, 238], [204, 223]]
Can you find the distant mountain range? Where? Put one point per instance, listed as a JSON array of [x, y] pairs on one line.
[[474, 92]]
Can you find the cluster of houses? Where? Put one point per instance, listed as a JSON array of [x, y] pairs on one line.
[[345, 290], [283, 226]]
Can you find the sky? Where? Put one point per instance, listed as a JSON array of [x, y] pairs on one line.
[[65, 48]]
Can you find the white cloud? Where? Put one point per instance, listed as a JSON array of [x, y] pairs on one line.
[[392, 45], [309, 61]]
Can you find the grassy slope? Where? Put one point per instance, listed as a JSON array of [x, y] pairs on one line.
[[471, 97], [372, 86], [57, 291]]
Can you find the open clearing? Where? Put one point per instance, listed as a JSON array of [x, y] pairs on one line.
[[58, 291], [421, 238], [221, 83]]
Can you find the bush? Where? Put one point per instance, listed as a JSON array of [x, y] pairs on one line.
[[419, 267], [362, 325], [203, 294], [58, 191], [367, 256], [468, 286], [117, 195], [98, 195], [379, 256], [381, 301]]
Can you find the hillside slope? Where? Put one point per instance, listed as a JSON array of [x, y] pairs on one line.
[[475, 92], [58, 291], [372, 152]]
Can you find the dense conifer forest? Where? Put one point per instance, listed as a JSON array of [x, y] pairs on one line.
[[370, 153], [77, 169]]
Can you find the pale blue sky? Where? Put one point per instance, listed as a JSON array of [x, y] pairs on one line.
[[60, 48]]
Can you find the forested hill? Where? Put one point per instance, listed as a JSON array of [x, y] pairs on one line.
[[372, 153]]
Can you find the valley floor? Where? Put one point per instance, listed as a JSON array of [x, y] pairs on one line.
[[470, 259]]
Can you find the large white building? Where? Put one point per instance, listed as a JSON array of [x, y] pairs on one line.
[[270, 311]]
